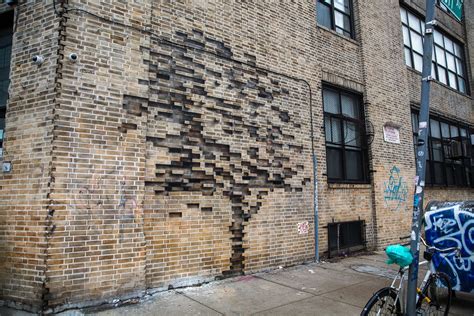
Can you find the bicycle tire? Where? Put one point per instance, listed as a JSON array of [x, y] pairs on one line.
[[384, 302], [440, 297]]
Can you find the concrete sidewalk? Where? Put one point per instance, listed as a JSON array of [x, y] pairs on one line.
[[328, 288]]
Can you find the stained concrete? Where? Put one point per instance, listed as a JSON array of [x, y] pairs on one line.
[[168, 303], [340, 287]]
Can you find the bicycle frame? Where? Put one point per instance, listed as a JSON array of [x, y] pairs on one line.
[[400, 277]]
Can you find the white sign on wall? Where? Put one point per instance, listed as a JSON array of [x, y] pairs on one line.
[[391, 134]]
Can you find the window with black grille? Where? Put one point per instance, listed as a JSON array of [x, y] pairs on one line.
[[6, 23], [450, 152], [448, 54], [346, 237], [346, 145], [336, 15]]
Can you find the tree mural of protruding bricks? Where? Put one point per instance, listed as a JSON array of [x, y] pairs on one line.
[[223, 140]]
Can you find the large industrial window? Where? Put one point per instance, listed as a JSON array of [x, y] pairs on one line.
[[346, 148], [336, 15], [450, 153], [448, 61], [6, 22]]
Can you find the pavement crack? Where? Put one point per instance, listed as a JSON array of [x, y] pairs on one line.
[[275, 307], [194, 300], [286, 285]]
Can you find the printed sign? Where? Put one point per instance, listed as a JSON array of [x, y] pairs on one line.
[[391, 134]]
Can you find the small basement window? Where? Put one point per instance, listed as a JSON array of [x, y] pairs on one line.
[[344, 237]]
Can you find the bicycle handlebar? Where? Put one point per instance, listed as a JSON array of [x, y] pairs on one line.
[[457, 249]]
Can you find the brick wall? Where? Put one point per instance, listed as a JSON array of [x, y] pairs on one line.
[[24, 197], [181, 153]]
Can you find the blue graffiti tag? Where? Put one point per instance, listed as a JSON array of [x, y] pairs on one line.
[[449, 227], [396, 190]]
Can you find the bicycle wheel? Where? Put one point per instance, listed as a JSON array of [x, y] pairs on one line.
[[438, 291], [384, 302]]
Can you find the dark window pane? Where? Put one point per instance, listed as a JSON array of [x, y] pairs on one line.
[[462, 85], [428, 176], [327, 129], [342, 5], [403, 15], [459, 67], [437, 150], [438, 173], [342, 21], [452, 80], [451, 62], [414, 22], [444, 130], [406, 36], [414, 122], [408, 61], [454, 131], [459, 175], [350, 107], [336, 131], [418, 61], [442, 75], [434, 129], [334, 163], [352, 134], [331, 101], [323, 15], [416, 42], [440, 58], [449, 174], [467, 174], [354, 165], [438, 38]]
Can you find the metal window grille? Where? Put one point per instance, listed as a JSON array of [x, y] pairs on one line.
[[346, 237]]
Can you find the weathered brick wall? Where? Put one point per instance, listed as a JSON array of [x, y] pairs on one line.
[[98, 248], [24, 191], [171, 165], [387, 102]]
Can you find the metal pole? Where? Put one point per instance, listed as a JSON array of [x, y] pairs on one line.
[[316, 219], [421, 153]]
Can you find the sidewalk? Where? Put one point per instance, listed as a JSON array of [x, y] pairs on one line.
[[328, 288]]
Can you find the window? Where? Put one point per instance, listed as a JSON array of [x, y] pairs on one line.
[[448, 61], [450, 153], [335, 15], [346, 150], [5, 56]]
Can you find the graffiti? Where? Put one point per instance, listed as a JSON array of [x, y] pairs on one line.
[[450, 227], [445, 225], [395, 190], [303, 228]]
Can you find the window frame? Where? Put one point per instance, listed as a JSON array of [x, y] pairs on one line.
[[459, 74], [333, 10], [342, 146], [6, 35], [466, 159]]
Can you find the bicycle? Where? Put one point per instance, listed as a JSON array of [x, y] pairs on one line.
[[433, 295]]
